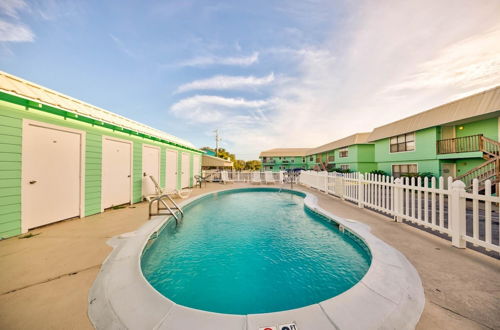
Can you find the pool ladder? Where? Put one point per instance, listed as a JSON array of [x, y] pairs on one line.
[[162, 199]]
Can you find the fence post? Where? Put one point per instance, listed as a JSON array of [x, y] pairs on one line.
[[458, 214], [398, 199], [361, 190], [342, 185]]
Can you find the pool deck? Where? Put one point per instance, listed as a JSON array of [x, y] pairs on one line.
[[45, 279]]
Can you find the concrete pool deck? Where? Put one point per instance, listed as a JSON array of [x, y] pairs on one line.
[[45, 279]]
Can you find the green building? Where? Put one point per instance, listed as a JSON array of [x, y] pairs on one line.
[[458, 139], [352, 153], [62, 158], [282, 159]]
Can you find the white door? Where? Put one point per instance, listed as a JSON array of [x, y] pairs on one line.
[[185, 168], [116, 172], [150, 167], [51, 169], [171, 170], [196, 165]]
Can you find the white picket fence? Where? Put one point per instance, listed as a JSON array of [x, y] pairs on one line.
[[442, 206], [240, 176]]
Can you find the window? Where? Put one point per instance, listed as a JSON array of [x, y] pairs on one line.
[[344, 152], [303, 159], [344, 167], [403, 142], [331, 159], [404, 170], [311, 158], [318, 159]]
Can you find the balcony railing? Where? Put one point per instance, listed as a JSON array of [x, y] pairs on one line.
[[469, 143]]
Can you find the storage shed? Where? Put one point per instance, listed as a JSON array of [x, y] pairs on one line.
[[62, 158]]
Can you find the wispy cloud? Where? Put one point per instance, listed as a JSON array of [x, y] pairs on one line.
[[15, 32], [227, 83], [211, 108], [216, 60], [469, 63], [198, 101], [341, 89], [121, 46], [12, 7]]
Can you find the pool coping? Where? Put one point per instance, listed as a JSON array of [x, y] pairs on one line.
[[390, 295]]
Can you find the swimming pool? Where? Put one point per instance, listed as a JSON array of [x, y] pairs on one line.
[[253, 251], [389, 295]]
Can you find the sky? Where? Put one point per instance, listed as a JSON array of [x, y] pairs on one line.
[[267, 74]]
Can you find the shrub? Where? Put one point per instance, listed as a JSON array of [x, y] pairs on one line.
[[380, 172]]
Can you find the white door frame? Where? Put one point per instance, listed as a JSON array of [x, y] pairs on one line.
[[176, 166], [188, 168], [26, 124], [145, 145], [104, 137]]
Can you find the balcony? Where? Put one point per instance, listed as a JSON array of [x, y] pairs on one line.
[[469, 143], [268, 161]]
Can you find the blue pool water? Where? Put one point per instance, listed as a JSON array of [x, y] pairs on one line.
[[246, 252]]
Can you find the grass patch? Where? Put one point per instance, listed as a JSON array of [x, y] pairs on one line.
[[29, 235], [117, 207]]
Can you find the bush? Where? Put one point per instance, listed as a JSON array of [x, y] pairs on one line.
[[379, 172]]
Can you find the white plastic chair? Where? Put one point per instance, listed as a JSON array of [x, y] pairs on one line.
[[256, 178], [184, 193], [269, 177], [225, 177]]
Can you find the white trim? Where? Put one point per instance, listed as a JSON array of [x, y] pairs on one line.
[[131, 166], [342, 149], [30, 122], [146, 145], [167, 150], [390, 295], [401, 152], [403, 163]]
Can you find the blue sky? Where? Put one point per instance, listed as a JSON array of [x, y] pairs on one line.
[[266, 73]]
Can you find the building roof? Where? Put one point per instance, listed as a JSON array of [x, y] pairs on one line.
[[483, 103], [25, 89], [358, 138], [210, 161], [285, 152]]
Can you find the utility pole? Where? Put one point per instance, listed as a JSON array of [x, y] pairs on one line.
[[217, 140]]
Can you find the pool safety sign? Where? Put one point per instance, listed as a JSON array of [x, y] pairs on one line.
[[288, 326]]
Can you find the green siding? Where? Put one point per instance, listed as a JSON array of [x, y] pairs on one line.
[[11, 118], [10, 175], [163, 161], [424, 154], [487, 127], [93, 173], [179, 169], [464, 165], [137, 173]]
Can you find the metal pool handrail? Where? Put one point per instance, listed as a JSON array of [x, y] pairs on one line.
[[161, 198]]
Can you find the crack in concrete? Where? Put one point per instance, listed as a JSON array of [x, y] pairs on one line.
[[50, 279], [461, 315]]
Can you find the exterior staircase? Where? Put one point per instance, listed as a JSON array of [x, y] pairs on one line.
[[489, 170]]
